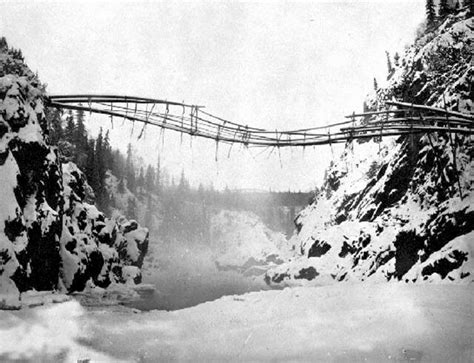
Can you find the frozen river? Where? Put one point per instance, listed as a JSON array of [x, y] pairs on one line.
[[386, 322]]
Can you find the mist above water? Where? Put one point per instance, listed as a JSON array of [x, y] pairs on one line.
[[185, 277], [187, 242]]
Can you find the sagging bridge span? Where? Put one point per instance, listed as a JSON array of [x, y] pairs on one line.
[[398, 119]]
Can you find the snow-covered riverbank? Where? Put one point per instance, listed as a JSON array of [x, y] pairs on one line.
[[343, 322]]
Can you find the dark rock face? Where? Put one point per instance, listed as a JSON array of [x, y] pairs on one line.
[[308, 273], [407, 245], [446, 265], [318, 249]]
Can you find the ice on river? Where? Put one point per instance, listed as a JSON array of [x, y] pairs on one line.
[[342, 323]]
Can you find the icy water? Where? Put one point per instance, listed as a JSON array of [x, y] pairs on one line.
[[185, 278]]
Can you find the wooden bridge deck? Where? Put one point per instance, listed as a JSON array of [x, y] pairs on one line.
[[399, 119]]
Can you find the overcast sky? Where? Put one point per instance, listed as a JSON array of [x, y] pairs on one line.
[[272, 64]]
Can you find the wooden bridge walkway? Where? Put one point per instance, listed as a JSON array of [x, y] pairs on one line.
[[398, 119]]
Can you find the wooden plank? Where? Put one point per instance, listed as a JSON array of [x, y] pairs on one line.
[[429, 108], [112, 98], [370, 113]]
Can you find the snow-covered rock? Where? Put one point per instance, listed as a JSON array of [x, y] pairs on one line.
[[93, 246], [30, 176], [50, 238], [400, 208]]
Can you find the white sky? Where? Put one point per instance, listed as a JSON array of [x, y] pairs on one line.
[[272, 64]]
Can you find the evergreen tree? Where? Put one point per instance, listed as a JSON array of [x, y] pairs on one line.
[[99, 157], [100, 167], [121, 186], [158, 177], [132, 208], [183, 185], [141, 179], [130, 170], [118, 164], [70, 127], [79, 139], [389, 65], [107, 152], [430, 13], [53, 117], [443, 9], [79, 133], [376, 87], [150, 179], [3, 44], [149, 212], [17, 54]]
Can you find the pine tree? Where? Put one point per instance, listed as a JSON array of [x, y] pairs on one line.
[[389, 65], [443, 9], [53, 117], [150, 179], [430, 13], [121, 186], [376, 86], [141, 179], [3, 44], [132, 208], [131, 181], [158, 178], [107, 152], [79, 133], [118, 164], [99, 157], [149, 212], [79, 139], [130, 170], [183, 185], [70, 127]]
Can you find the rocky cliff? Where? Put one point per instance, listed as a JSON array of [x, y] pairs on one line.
[[50, 238], [399, 208]]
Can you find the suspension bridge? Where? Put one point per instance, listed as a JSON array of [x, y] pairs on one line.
[[397, 119]]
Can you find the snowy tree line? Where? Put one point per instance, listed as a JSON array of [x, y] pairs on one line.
[[445, 7]]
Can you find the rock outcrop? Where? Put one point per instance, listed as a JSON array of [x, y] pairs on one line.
[[401, 208], [50, 238]]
